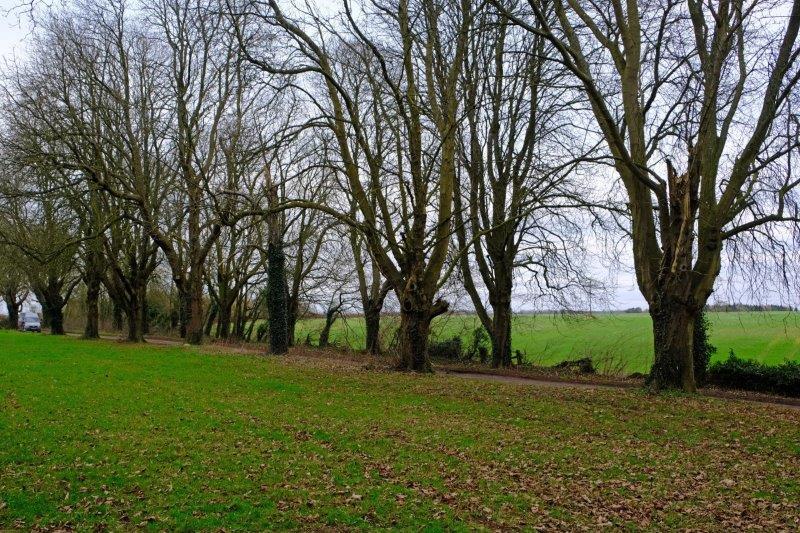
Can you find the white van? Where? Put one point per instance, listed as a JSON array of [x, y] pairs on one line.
[[29, 322]]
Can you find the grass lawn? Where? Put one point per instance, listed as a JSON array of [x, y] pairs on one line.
[[619, 342], [103, 434]]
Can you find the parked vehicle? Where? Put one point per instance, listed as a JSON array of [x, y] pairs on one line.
[[29, 322]]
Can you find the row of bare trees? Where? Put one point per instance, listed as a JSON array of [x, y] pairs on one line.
[[293, 155]]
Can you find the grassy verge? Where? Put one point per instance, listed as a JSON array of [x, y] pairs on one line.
[[102, 434]]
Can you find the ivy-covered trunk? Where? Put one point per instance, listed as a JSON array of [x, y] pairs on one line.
[[276, 299]]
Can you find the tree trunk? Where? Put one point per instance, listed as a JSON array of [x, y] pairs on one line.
[[92, 329], [372, 322], [212, 317], [145, 309], [117, 318], [224, 320], [291, 319], [194, 326], [330, 318], [13, 305], [673, 333], [501, 333], [135, 321], [137, 315], [414, 329], [276, 300], [56, 313]]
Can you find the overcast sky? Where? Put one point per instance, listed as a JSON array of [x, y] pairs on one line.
[[15, 26]]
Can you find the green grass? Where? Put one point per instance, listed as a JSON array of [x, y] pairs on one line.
[[619, 342], [109, 435]]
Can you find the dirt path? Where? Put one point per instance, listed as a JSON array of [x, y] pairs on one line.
[[308, 355]]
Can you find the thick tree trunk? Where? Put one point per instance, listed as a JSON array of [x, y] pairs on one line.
[[52, 307], [191, 296], [56, 320], [135, 321], [224, 320], [673, 333], [92, 329], [276, 300], [501, 333], [372, 321], [136, 313], [415, 325]]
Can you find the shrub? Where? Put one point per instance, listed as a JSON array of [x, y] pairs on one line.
[[736, 373], [446, 349], [478, 346]]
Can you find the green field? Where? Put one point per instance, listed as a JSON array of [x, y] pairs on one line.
[[105, 435], [618, 342]]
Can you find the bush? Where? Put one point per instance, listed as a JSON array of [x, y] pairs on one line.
[[702, 349], [736, 373], [478, 346], [446, 349]]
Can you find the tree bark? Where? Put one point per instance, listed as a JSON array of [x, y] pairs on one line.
[[92, 329], [673, 334], [415, 327], [212, 317], [224, 319], [501, 333], [276, 300], [194, 306], [372, 321], [135, 315], [117, 318], [52, 306]]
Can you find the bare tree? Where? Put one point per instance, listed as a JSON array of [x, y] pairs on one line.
[[406, 221], [691, 129], [520, 207]]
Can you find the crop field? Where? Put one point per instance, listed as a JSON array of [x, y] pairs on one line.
[[101, 435], [618, 342]]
